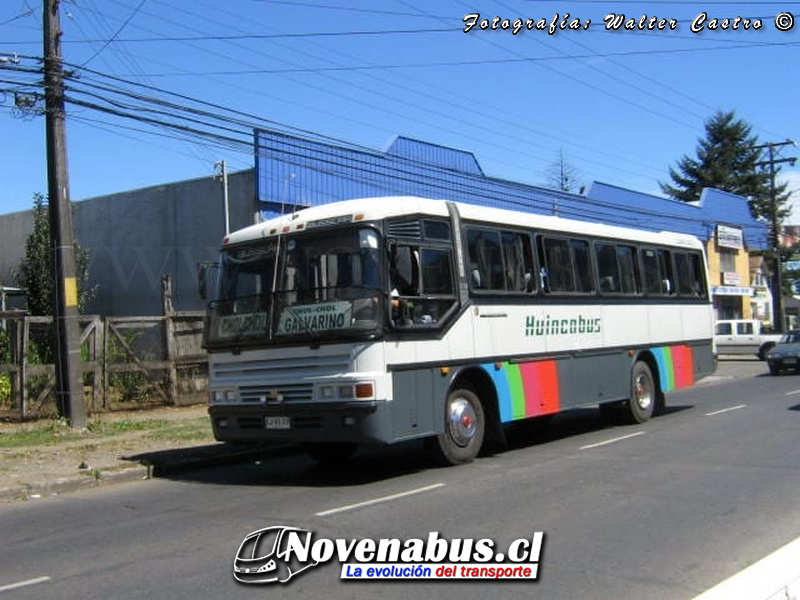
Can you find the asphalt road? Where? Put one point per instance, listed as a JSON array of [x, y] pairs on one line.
[[666, 509]]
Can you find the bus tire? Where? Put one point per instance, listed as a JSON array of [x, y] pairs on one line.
[[464, 428], [643, 393], [330, 453]]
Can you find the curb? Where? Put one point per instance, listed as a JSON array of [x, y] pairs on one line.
[[63, 485], [180, 461]]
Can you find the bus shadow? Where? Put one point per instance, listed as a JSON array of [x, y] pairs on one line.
[[285, 466], [570, 423], [290, 466]]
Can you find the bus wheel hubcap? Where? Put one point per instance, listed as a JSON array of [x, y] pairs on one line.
[[643, 395], [462, 422]]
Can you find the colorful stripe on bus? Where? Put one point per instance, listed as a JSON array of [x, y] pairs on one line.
[[531, 389], [525, 389], [675, 366]]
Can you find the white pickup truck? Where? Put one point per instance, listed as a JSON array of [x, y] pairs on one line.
[[743, 336]]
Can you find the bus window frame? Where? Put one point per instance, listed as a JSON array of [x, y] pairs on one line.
[[404, 308], [530, 286]]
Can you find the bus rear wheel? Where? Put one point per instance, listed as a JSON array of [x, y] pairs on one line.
[[464, 428], [643, 393]]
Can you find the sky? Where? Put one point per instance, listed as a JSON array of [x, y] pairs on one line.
[[620, 106]]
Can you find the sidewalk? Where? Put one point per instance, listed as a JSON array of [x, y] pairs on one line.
[[47, 458]]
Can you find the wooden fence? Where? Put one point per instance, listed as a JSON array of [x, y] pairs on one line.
[[126, 361]]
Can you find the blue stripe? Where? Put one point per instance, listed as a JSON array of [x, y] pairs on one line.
[[503, 391]]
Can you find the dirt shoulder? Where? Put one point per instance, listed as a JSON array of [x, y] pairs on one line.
[[46, 458]]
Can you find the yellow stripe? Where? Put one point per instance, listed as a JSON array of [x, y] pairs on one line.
[[71, 291]]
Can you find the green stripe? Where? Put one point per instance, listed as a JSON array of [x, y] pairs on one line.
[[667, 368], [517, 391]]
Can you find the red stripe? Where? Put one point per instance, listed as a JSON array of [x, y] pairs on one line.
[[540, 382], [683, 363]]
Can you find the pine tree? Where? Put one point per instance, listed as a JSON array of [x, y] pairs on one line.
[[35, 274], [727, 159]]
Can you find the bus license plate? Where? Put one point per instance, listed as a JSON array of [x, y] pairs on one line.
[[278, 423]]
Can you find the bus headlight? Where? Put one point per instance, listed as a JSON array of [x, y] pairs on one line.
[[362, 390], [327, 392], [222, 396]]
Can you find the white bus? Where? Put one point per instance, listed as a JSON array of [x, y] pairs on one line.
[[387, 319]]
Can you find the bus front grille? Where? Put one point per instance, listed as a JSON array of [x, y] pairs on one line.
[[276, 394]]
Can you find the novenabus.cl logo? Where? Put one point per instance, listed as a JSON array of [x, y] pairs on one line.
[[265, 557], [276, 554]]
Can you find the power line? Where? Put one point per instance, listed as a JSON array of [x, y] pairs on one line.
[[187, 124], [471, 63], [441, 118], [116, 33]]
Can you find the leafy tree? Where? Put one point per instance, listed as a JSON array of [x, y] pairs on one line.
[[36, 274], [727, 159]]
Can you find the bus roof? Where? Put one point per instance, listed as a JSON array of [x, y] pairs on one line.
[[377, 208]]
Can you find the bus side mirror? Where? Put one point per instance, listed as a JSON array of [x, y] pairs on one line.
[[203, 269]]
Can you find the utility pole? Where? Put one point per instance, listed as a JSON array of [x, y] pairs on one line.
[[775, 233], [221, 174], [69, 385]]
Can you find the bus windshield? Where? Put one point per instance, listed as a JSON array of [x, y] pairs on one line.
[[305, 287]]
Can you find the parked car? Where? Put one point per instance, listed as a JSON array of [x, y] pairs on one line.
[[786, 353], [743, 336]]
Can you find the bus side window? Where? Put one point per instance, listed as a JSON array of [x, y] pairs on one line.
[[485, 259], [566, 265], [422, 286], [667, 280], [629, 269], [690, 275], [582, 261], [607, 270], [618, 268], [555, 253], [499, 261], [405, 271], [517, 262], [653, 282]]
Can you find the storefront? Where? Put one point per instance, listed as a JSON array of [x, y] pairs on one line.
[[732, 302], [729, 272]]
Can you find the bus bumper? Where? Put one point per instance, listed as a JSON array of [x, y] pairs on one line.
[[367, 421]]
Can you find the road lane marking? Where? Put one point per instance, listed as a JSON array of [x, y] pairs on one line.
[[774, 576], [333, 511], [22, 584], [793, 393], [724, 410], [613, 440]]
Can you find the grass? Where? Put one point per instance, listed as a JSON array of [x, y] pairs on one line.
[[124, 425], [198, 430], [56, 431]]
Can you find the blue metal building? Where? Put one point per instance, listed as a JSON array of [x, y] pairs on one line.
[[293, 172]]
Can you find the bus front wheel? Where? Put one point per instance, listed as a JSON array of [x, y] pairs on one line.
[[643, 393], [464, 428]]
